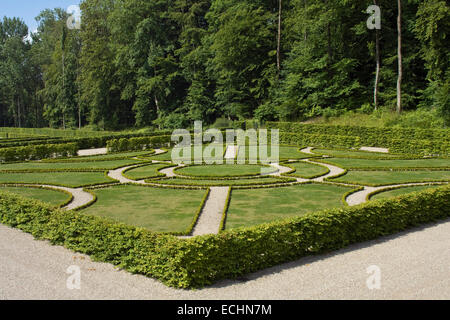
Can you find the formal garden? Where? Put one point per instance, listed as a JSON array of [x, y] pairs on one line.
[[191, 224]]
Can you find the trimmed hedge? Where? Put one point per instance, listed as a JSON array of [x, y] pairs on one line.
[[200, 261], [138, 144], [38, 152], [363, 132], [398, 140]]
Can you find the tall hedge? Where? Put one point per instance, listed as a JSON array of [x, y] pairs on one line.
[[398, 140], [37, 152], [202, 260]]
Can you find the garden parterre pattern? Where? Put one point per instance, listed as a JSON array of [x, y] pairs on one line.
[[350, 172]]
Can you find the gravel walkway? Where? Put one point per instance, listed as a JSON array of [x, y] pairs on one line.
[[117, 174], [211, 215], [360, 197], [334, 171], [31, 269], [92, 152]]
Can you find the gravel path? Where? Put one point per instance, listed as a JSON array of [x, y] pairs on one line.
[[211, 215], [170, 172], [307, 150], [92, 152], [31, 269], [372, 149], [117, 174], [360, 197], [334, 171]]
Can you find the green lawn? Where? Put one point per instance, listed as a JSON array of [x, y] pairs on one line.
[[368, 163], [355, 154], [234, 182], [285, 152], [53, 197], [156, 209], [400, 191], [392, 177], [230, 170], [307, 170], [145, 172], [68, 179], [97, 165], [168, 155], [256, 206]]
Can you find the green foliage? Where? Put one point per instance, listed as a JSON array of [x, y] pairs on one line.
[[38, 152], [202, 260], [398, 140], [134, 144]]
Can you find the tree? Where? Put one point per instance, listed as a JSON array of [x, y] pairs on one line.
[[400, 66]]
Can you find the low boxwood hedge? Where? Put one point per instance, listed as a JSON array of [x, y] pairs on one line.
[[199, 261]]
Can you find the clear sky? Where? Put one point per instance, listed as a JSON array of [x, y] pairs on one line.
[[29, 9]]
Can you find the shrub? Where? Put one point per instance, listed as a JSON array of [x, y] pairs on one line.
[[38, 152]]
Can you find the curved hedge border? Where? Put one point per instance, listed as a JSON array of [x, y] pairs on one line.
[[294, 170], [283, 180], [384, 184], [200, 261], [65, 203], [350, 192], [90, 203], [205, 177], [371, 195], [158, 175]]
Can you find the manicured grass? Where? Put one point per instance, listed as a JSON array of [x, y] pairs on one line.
[[400, 192], [234, 182], [256, 206], [231, 170], [53, 197], [392, 177], [307, 170], [97, 165], [145, 172], [355, 154], [285, 152], [156, 209], [68, 179], [168, 155], [366, 163]]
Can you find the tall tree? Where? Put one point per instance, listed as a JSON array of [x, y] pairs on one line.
[[399, 53], [279, 36]]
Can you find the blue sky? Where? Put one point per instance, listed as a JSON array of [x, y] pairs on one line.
[[29, 9]]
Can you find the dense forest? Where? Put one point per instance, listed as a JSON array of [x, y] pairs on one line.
[[165, 63]]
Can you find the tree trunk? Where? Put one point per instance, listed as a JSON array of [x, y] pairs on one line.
[[279, 36], [400, 67], [377, 74]]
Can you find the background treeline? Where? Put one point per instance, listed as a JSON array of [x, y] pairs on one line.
[[164, 63]]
